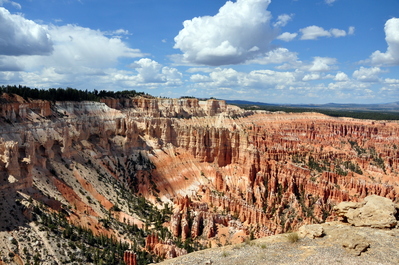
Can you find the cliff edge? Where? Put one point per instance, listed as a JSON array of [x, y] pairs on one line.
[[337, 242]]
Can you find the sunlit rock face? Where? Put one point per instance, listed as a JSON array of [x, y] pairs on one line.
[[273, 172], [229, 173]]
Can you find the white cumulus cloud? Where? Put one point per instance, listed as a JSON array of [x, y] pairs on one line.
[[322, 64], [391, 81], [311, 77], [351, 30], [225, 77], [198, 78], [338, 33], [257, 79], [367, 74], [391, 56], [150, 71], [341, 77], [79, 46], [79, 56], [286, 36], [276, 56], [282, 20], [315, 32], [268, 79], [20, 36], [200, 69], [238, 32], [329, 2], [14, 4]]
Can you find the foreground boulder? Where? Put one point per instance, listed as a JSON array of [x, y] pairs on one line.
[[355, 244], [311, 231], [375, 211]]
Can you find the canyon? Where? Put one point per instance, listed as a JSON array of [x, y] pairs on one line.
[[163, 177]]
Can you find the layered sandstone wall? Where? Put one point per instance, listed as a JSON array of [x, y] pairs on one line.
[[14, 108], [171, 108]]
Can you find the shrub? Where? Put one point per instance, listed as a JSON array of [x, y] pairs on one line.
[[248, 241], [225, 253], [293, 237], [262, 246]]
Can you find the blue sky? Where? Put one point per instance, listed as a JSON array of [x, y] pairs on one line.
[[279, 51]]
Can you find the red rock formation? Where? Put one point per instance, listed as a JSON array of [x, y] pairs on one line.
[[162, 249], [151, 241], [130, 258], [14, 107], [259, 173], [268, 170]]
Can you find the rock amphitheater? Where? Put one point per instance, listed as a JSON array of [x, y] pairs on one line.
[[163, 177]]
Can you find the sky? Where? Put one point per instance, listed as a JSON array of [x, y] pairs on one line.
[[273, 51]]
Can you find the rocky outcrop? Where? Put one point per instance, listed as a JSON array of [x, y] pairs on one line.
[[341, 244], [374, 211], [311, 231], [355, 244]]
